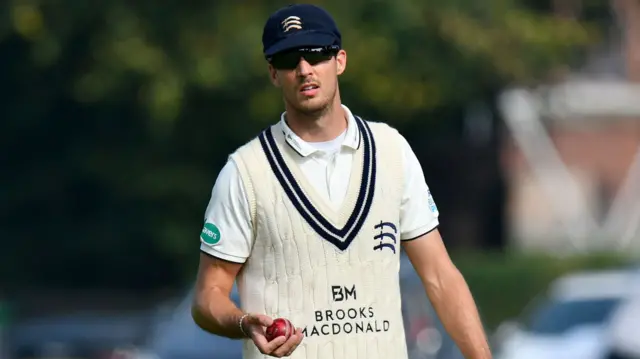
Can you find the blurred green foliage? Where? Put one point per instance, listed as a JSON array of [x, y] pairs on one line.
[[118, 114], [405, 56]]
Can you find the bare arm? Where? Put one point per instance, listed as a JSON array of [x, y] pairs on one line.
[[221, 258], [449, 294], [213, 310]]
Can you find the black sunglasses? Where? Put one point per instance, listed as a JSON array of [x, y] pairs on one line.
[[289, 60]]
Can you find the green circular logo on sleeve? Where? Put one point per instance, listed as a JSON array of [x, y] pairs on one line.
[[210, 234]]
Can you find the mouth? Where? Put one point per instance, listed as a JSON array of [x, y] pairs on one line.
[[309, 89]]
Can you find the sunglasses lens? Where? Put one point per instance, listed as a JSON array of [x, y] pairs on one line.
[[286, 61], [290, 60], [317, 57]]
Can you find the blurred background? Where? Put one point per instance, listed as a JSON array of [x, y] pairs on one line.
[[117, 116]]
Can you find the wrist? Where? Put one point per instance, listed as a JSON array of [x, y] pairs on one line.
[[242, 326]]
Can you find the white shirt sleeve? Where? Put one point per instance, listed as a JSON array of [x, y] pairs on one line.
[[228, 214], [418, 211]]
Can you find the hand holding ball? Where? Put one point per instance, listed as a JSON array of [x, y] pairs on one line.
[[280, 327]]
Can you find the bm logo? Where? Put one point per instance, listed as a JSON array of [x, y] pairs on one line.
[[340, 294], [387, 236]]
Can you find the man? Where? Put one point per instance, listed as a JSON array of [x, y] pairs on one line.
[[309, 217]]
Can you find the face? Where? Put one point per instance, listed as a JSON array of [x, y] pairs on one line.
[[308, 78]]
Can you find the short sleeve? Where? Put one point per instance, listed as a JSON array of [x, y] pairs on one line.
[[418, 211], [227, 232]]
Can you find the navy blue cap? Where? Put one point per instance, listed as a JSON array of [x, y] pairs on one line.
[[299, 25]]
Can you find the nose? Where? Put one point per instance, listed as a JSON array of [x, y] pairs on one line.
[[304, 68]]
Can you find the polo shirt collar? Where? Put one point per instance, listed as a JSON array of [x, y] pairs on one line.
[[351, 138]]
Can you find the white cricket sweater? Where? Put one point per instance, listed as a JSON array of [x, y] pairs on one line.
[[332, 272]]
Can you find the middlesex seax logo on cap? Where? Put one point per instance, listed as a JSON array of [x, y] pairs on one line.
[[292, 22], [299, 25]]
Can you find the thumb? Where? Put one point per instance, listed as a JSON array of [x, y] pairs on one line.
[[260, 319]]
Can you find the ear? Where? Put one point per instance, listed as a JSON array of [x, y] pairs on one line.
[[341, 61], [273, 76]]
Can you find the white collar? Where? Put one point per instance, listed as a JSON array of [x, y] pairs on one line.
[[351, 138]]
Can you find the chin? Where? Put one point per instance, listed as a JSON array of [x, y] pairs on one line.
[[312, 106]]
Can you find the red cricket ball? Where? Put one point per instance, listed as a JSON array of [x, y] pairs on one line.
[[279, 327]]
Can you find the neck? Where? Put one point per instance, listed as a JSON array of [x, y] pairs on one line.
[[323, 126]]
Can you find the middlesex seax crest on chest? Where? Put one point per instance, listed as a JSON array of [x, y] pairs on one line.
[[341, 237]]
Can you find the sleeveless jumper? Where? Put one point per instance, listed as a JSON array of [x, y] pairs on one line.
[[332, 273]]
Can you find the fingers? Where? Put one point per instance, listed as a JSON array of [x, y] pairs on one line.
[[278, 347], [259, 319], [287, 348], [267, 347], [256, 323]]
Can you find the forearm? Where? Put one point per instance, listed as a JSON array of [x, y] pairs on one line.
[[454, 304], [215, 313]]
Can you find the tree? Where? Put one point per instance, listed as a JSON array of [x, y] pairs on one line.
[[130, 108]]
